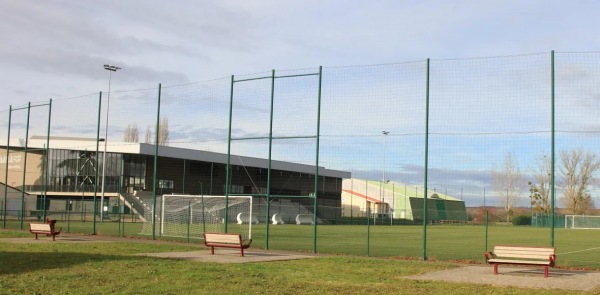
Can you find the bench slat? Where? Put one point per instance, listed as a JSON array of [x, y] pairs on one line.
[[39, 227], [525, 249], [511, 261], [524, 255], [511, 252], [223, 239], [531, 253]]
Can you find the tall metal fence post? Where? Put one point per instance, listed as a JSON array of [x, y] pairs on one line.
[[97, 164], [228, 169], [553, 151], [486, 230], [316, 196], [426, 163], [189, 221], [269, 174], [6, 170], [368, 229], [46, 160], [24, 165], [155, 181], [68, 215]]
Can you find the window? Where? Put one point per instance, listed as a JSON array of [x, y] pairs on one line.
[[236, 189], [166, 184]]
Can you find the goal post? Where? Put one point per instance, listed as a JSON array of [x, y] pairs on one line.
[[192, 215], [582, 221]]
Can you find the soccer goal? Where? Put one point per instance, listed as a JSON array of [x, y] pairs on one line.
[[582, 221], [191, 215]]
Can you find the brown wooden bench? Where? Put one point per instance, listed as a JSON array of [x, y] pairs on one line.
[[522, 255], [213, 240], [43, 229]]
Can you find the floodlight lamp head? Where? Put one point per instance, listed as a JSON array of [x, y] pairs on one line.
[[111, 68]]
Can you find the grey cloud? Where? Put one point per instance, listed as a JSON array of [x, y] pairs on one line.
[[63, 63]]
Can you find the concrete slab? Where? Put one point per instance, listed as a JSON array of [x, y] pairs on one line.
[[222, 255], [525, 277]]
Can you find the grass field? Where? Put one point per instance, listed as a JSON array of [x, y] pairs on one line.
[[113, 268], [575, 248]]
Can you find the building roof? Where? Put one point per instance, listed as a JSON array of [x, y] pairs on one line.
[[11, 191], [369, 199], [136, 148]]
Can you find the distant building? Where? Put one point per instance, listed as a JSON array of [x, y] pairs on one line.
[[397, 201]]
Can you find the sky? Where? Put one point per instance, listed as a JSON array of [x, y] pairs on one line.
[[57, 49]]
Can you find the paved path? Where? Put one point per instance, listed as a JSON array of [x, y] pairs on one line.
[[527, 277], [203, 254], [231, 256]]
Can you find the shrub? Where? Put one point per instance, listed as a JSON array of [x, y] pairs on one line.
[[521, 220]]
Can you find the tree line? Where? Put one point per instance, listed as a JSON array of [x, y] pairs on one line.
[[574, 175]]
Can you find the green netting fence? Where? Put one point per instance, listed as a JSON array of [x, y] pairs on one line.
[[446, 157]]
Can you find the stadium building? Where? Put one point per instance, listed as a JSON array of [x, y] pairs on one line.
[[398, 201], [73, 166]]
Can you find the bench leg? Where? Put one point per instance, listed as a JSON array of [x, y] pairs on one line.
[[36, 236], [495, 268], [546, 272], [53, 237], [242, 251], [212, 250]]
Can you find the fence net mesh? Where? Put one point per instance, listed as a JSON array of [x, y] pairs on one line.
[[476, 136]]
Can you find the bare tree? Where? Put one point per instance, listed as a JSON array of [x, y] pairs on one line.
[[577, 169], [506, 184], [131, 133], [163, 132], [540, 189], [148, 136]]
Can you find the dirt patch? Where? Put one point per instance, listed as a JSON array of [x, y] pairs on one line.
[[525, 277]]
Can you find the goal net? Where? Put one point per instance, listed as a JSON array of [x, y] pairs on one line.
[[582, 221], [191, 215]]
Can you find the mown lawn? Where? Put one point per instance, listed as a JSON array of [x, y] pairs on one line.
[[114, 268], [575, 248]]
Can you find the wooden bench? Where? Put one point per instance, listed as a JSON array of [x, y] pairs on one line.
[[522, 255], [213, 240], [44, 229]]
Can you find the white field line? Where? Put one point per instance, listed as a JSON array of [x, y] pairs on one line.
[[590, 249]]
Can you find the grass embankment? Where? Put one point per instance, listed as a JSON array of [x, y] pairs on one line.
[[114, 268]]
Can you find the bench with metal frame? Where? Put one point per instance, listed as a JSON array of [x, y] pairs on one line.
[[213, 240], [43, 229], [522, 255]]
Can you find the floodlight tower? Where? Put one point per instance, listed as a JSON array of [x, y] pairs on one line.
[[384, 181], [110, 70], [385, 134]]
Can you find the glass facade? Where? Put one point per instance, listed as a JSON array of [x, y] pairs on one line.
[[75, 171], [134, 173]]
